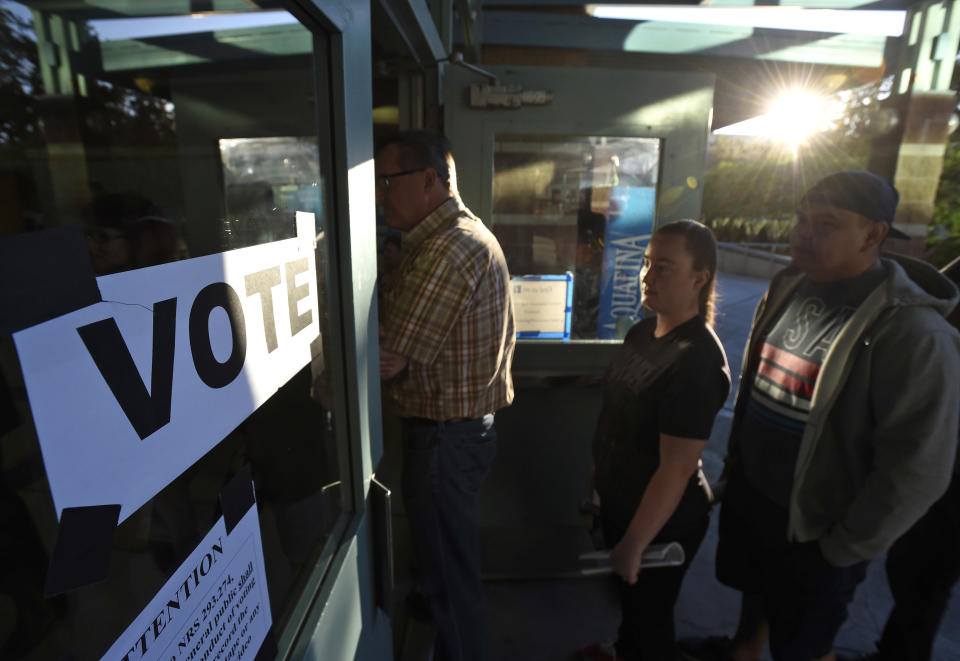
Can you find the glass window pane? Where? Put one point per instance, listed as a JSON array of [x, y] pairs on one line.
[[167, 136], [583, 205]]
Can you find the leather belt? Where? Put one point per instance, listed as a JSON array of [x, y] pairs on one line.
[[451, 421]]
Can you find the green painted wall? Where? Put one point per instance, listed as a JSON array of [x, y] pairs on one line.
[[670, 105]]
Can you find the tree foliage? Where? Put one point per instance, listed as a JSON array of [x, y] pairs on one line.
[[124, 112], [118, 115], [947, 210], [19, 82], [762, 178]]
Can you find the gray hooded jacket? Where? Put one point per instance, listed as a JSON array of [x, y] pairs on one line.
[[879, 445]]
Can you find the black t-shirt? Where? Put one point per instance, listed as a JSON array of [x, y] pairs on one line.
[[671, 385], [782, 385]]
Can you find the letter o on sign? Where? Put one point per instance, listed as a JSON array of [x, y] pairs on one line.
[[212, 372]]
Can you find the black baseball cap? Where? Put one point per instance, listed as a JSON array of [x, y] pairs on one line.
[[862, 192]]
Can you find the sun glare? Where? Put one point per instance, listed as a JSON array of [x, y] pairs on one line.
[[796, 115], [792, 118]]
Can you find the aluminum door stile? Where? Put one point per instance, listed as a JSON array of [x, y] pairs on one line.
[[338, 617]]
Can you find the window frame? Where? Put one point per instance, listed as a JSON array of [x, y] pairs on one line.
[[580, 365]]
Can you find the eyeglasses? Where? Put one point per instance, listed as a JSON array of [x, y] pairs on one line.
[[384, 179]]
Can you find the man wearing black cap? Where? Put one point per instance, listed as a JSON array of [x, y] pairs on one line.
[[845, 426]]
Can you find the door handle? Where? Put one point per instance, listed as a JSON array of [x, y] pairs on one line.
[[381, 514]]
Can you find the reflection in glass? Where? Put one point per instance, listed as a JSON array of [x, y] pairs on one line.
[[266, 181], [579, 204], [164, 136]]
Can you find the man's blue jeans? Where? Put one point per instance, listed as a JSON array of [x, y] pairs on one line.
[[444, 465]]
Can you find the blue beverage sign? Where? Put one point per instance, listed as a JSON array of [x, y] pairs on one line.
[[627, 235]]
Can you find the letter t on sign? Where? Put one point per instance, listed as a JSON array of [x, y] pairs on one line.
[[263, 282]]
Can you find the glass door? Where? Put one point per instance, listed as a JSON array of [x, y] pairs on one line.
[[171, 338]]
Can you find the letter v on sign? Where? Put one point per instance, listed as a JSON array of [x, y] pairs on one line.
[[146, 410]]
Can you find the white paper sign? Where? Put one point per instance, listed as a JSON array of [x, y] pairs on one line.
[[540, 306], [215, 606], [128, 393]]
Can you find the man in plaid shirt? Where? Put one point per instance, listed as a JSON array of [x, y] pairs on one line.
[[446, 348]]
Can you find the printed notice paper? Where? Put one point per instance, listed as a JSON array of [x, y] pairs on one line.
[[128, 393], [542, 305], [215, 606]]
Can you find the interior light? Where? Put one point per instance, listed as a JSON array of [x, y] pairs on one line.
[[887, 23]]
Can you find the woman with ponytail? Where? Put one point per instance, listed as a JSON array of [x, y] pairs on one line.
[[661, 395]]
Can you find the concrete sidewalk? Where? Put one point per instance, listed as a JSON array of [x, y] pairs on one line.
[[552, 619]]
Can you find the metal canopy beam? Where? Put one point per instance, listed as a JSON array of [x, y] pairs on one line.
[[548, 5], [104, 9], [183, 50], [543, 30], [414, 22]]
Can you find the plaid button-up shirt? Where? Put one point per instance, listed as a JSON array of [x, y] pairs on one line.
[[449, 312]]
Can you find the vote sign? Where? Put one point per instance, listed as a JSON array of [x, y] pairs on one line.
[[127, 393]]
